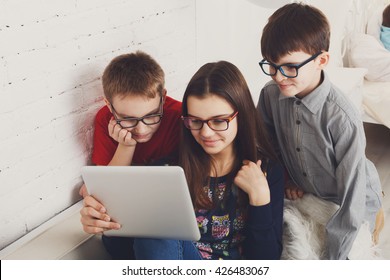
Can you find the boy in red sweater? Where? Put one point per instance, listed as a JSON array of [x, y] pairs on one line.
[[139, 125]]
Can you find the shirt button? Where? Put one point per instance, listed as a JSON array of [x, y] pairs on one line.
[[298, 122], [304, 174], [298, 102], [298, 149]]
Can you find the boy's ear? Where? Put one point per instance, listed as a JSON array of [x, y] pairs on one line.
[[108, 104], [164, 94], [323, 60]]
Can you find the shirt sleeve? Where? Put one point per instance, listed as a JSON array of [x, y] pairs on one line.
[[172, 132], [265, 223], [104, 146], [264, 107], [350, 172]]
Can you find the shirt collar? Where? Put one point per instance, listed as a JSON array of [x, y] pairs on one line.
[[315, 100]]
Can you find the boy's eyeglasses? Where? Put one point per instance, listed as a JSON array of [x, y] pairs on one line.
[[133, 122], [216, 124], [289, 70]]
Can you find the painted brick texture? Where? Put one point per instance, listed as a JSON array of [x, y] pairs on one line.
[[52, 55]]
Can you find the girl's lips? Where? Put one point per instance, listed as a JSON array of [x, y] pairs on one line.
[[210, 143]]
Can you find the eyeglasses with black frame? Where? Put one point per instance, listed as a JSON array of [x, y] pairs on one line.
[[289, 70], [133, 122], [216, 124]]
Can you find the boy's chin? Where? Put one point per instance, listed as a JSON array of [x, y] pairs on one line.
[[288, 93], [143, 139], [140, 141]]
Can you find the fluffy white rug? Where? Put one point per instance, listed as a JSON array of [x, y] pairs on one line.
[[304, 231]]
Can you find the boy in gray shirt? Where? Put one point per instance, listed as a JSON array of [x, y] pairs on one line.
[[318, 133]]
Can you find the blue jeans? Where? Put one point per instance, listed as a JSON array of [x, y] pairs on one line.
[[165, 249]]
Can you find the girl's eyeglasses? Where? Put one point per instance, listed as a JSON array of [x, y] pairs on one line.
[[216, 124]]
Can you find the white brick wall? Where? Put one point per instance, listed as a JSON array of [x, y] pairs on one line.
[[52, 54]]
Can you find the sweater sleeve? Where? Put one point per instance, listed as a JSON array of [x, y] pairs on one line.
[[265, 223], [104, 146]]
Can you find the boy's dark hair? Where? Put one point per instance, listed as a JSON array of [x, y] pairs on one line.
[[386, 16], [295, 27], [134, 73]]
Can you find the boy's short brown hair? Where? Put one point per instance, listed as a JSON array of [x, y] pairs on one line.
[[134, 73], [295, 27], [386, 16]]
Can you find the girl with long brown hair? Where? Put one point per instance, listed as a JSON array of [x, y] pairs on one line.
[[235, 181]]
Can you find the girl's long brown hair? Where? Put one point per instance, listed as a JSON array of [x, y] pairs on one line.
[[225, 80]]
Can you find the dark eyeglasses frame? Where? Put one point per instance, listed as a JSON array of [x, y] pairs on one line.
[[160, 115], [292, 65], [227, 120]]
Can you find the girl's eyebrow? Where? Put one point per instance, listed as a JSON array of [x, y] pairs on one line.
[[213, 117]]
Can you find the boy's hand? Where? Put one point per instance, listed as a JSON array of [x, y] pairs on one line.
[[94, 218], [119, 134], [251, 180], [292, 191]]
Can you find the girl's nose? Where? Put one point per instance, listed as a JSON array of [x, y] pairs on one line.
[[206, 130]]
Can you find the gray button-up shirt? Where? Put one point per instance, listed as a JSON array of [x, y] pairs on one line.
[[321, 141]]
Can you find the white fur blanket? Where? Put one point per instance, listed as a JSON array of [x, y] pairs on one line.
[[304, 231]]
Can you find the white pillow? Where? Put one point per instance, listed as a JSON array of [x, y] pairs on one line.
[[374, 22], [350, 82], [367, 52]]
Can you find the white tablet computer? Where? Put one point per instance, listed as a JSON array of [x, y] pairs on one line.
[[148, 201]]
